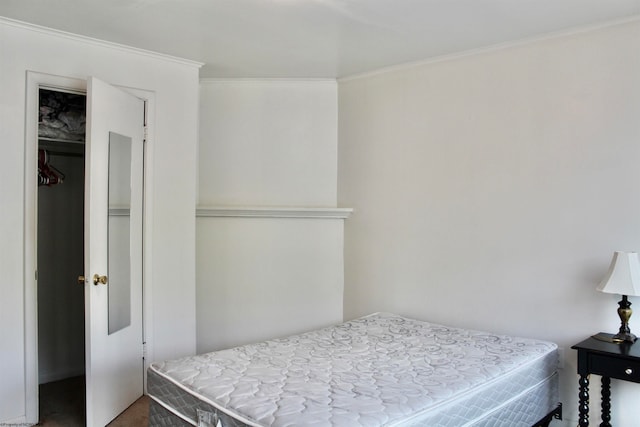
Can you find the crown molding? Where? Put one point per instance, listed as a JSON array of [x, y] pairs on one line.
[[492, 48], [97, 42]]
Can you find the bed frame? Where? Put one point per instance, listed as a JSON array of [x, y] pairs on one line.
[[556, 414]]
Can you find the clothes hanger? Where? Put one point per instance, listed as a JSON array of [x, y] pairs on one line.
[[47, 173]]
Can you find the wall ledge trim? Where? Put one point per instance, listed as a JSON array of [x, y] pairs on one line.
[[266, 80], [272, 212]]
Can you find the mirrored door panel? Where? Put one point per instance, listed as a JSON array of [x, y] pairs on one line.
[[119, 262]]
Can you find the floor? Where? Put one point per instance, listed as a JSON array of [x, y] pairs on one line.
[[62, 405]]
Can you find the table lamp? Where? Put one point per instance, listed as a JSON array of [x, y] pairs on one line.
[[623, 278]]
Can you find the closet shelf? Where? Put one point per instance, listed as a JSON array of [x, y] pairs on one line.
[[63, 147], [54, 140], [272, 212]]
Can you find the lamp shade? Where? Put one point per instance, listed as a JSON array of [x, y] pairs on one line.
[[623, 277]]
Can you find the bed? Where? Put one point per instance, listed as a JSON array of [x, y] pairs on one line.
[[378, 370]]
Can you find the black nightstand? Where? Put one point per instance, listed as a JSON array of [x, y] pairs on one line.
[[620, 361]]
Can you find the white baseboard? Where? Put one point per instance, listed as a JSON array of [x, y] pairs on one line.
[[563, 423], [20, 421]]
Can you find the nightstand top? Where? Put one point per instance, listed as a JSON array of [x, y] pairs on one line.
[[622, 349]]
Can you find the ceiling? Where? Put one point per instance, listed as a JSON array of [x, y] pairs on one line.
[[314, 38]]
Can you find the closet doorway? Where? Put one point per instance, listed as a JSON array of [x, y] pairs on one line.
[[88, 238], [60, 255]]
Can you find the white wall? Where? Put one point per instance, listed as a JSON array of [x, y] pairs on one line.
[[171, 230], [490, 191], [267, 143]]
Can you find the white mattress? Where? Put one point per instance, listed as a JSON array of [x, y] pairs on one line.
[[379, 370]]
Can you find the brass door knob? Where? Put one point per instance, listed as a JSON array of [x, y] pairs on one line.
[[100, 279], [81, 280]]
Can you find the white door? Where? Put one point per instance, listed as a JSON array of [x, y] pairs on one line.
[[113, 251]]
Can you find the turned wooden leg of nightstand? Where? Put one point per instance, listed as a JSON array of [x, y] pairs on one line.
[[583, 398], [606, 402]]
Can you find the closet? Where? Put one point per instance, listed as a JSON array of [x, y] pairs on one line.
[[60, 250]]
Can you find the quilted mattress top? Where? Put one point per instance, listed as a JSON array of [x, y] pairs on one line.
[[381, 369]]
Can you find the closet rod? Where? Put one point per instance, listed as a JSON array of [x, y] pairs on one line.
[[64, 153]]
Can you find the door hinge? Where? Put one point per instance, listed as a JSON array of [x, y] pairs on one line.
[[144, 351], [145, 133]]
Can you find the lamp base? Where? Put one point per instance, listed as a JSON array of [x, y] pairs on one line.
[[615, 339], [624, 337], [624, 311]]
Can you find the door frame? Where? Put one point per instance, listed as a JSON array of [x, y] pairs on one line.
[[34, 80]]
